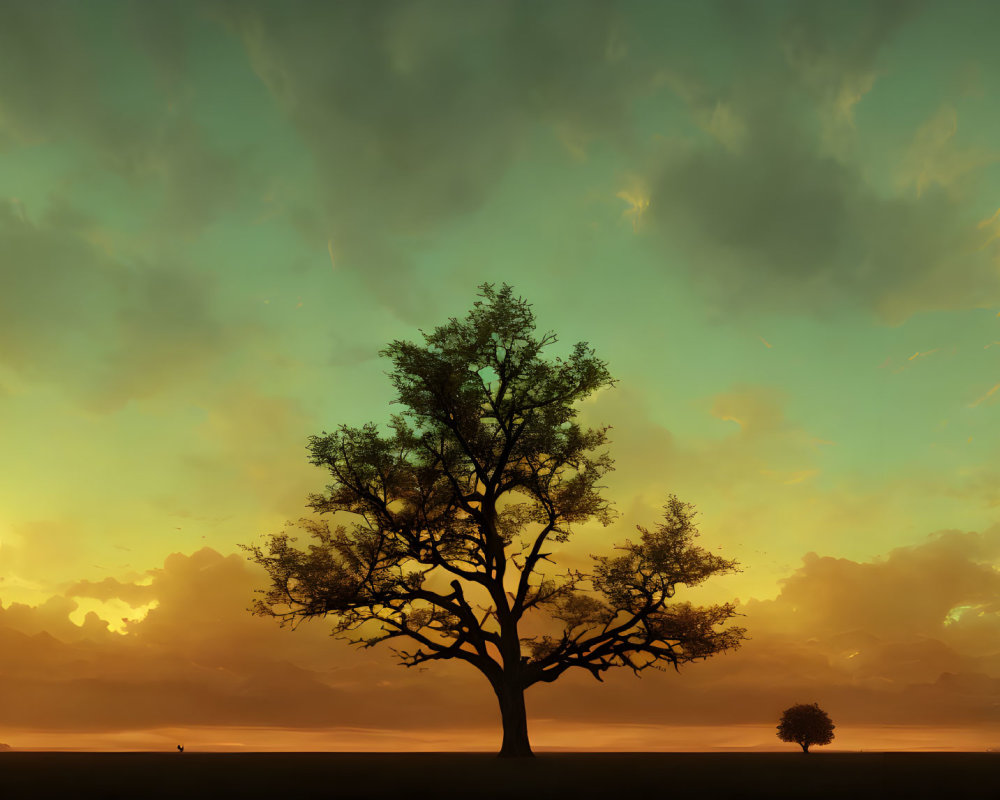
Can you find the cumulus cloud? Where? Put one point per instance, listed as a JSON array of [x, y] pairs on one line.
[[433, 99], [412, 113], [107, 329], [771, 215], [134, 594], [912, 591], [932, 158], [48, 623], [909, 638], [56, 88], [758, 451], [199, 658]]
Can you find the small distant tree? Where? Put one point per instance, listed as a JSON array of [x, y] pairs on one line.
[[806, 725], [457, 506]]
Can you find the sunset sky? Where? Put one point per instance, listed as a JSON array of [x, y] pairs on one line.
[[779, 224]]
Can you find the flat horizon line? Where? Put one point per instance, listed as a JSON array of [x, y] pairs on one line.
[[536, 751]]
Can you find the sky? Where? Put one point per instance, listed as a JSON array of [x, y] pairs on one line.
[[778, 223]]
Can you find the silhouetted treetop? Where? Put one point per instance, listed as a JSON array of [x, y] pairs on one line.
[[805, 725], [456, 505]]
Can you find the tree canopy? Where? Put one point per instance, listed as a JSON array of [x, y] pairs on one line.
[[805, 725], [456, 506]]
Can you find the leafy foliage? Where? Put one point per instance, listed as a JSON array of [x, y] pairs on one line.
[[806, 725], [456, 505]]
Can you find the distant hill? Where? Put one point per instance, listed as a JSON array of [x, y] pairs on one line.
[[5, 747]]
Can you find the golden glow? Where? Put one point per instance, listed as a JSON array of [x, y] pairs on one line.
[[992, 226], [637, 196], [117, 613], [800, 476], [547, 735], [985, 397], [790, 478]]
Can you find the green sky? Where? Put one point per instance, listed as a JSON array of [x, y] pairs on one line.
[[775, 221]]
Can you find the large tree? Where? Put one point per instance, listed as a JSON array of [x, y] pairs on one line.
[[456, 507]]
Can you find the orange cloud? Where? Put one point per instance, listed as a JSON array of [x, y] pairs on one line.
[[134, 594], [200, 659], [908, 639]]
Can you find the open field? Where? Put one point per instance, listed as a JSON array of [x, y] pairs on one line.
[[849, 776]]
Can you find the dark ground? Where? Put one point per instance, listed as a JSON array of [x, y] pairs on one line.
[[412, 776]]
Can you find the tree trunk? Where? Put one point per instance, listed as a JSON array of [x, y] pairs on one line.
[[805, 747], [515, 721]]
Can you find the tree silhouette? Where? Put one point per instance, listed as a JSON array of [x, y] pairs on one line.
[[457, 506], [805, 725]]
